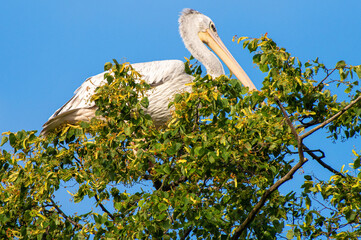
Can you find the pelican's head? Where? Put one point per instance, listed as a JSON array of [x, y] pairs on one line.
[[196, 30], [191, 22]]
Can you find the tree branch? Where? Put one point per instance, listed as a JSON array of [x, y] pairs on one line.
[[318, 159], [263, 199], [103, 208], [288, 120], [322, 163], [331, 118], [77, 225], [306, 125], [293, 129], [324, 79], [187, 232]]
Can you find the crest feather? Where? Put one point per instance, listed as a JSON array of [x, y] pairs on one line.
[[188, 11]]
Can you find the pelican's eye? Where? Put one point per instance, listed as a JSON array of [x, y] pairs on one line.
[[213, 27]]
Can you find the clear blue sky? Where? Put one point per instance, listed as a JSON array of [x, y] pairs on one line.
[[48, 48]]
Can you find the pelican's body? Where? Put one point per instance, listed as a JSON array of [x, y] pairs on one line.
[[169, 79], [166, 77]]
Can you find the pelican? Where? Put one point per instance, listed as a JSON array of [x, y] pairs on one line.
[[166, 77]]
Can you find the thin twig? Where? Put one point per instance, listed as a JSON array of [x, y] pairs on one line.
[[324, 79], [288, 120], [322, 163], [77, 225], [331, 118], [103, 208], [99, 203], [318, 159], [189, 230], [263, 199], [196, 123], [306, 125], [293, 129]]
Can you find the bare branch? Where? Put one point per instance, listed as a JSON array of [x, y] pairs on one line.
[[331, 118], [308, 124], [288, 120], [187, 232], [77, 225], [103, 208], [324, 79], [293, 129], [263, 199], [318, 159]]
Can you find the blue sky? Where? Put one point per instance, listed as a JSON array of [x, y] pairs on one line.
[[48, 48]]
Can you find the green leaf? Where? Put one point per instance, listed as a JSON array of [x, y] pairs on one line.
[[253, 45], [235, 83], [343, 75], [144, 102], [307, 64], [274, 169], [211, 157], [128, 131], [245, 43], [357, 69], [170, 151], [309, 219], [308, 72], [248, 146], [357, 163], [177, 98], [308, 177], [341, 64], [290, 234], [84, 124], [118, 205], [187, 69], [177, 146], [351, 215], [200, 151], [162, 207], [4, 140], [167, 169], [140, 153], [264, 67], [348, 90], [257, 58], [107, 66], [12, 139]]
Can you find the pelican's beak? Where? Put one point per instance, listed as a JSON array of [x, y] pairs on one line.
[[215, 43]]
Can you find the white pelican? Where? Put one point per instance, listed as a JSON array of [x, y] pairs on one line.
[[166, 77]]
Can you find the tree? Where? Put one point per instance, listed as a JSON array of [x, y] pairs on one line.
[[212, 172]]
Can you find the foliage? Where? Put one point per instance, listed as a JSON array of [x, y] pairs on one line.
[[212, 172]]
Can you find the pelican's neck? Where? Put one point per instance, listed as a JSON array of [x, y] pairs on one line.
[[188, 29], [209, 60]]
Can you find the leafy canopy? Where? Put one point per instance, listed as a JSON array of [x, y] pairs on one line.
[[212, 172]]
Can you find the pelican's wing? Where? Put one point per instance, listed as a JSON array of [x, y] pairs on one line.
[[80, 108], [158, 72]]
